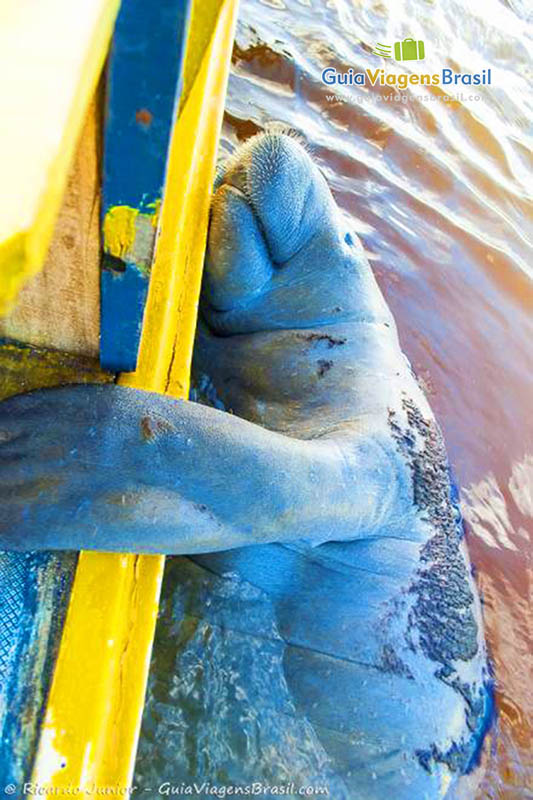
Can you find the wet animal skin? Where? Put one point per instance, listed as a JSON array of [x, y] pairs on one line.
[[310, 475]]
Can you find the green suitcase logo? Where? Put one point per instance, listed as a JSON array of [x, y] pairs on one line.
[[409, 50]]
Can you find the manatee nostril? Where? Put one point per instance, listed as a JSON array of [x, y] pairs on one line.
[[348, 239]]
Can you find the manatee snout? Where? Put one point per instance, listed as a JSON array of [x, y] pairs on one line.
[[278, 253]]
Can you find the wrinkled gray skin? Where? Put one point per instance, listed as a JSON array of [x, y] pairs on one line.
[[327, 538]]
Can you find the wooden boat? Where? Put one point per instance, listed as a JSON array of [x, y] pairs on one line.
[[77, 630]]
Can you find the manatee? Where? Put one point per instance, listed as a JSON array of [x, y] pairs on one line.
[[322, 630]]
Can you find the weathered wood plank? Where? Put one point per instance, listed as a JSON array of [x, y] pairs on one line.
[[60, 306], [51, 54], [24, 368]]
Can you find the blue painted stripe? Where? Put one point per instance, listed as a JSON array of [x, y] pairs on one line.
[[144, 84]]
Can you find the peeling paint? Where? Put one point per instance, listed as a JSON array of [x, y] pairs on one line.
[[119, 230], [50, 760], [130, 234]]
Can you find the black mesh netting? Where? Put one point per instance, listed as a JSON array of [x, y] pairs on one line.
[[14, 572]]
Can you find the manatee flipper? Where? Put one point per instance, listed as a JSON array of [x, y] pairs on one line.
[[111, 468]]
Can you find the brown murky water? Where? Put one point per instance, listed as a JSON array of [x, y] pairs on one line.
[[441, 195]]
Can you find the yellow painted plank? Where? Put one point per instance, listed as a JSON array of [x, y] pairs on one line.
[[203, 20], [51, 56], [170, 316], [91, 727]]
